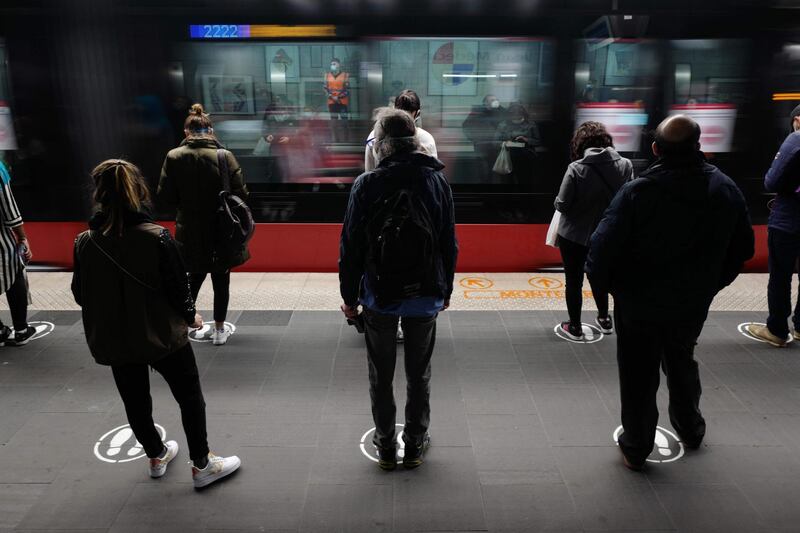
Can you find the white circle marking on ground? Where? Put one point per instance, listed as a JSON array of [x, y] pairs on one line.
[[366, 440], [668, 447], [119, 444], [204, 334], [591, 334], [741, 327], [42, 329]]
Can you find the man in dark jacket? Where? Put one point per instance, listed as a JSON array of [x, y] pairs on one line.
[[783, 239], [667, 244], [403, 172]]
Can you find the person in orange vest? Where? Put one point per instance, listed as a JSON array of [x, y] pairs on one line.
[[337, 86]]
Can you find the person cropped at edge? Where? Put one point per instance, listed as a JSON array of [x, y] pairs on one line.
[[191, 180], [13, 242], [783, 239], [407, 101], [669, 241], [401, 167], [136, 305], [591, 181]]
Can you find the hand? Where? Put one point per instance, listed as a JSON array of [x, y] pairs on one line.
[[198, 321], [446, 304], [335, 99], [28, 253], [350, 312], [283, 140], [270, 138], [521, 139]]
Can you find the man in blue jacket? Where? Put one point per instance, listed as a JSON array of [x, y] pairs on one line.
[[783, 239], [669, 241], [397, 258]]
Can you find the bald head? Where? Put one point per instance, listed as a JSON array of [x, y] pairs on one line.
[[677, 136]]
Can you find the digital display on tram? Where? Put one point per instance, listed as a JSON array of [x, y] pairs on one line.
[[219, 31]]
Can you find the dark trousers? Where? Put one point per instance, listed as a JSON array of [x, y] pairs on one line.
[[784, 249], [221, 281], [180, 371], [643, 348], [419, 338], [574, 257], [17, 296]]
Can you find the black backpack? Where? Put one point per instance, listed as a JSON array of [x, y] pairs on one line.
[[402, 250], [235, 226]]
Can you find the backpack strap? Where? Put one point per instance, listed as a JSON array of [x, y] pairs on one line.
[[222, 162], [120, 267]]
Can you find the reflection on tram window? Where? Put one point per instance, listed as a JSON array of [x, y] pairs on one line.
[[615, 85], [710, 84]]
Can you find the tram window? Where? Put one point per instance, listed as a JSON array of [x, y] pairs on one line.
[[8, 139], [711, 84], [479, 97], [615, 85], [292, 112]]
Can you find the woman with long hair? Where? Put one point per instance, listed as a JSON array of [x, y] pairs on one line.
[[191, 179], [134, 293], [592, 179]]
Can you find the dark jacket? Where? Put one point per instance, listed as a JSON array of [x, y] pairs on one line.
[[127, 320], [420, 173], [191, 181], [481, 124], [783, 178], [670, 240], [588, 187], [509, 131]]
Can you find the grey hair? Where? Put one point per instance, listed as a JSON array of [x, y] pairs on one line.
[[387, 146]]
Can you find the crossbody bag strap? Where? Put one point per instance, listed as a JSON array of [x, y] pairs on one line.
[[610, 189], [122, 268], [222, 161]]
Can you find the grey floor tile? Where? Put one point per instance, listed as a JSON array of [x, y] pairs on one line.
[[345, 508], [17, 500], [574, 416], [164, 505], [539, 507], [708, 508]]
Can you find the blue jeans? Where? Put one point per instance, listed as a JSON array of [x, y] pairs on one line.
[[784, 249]]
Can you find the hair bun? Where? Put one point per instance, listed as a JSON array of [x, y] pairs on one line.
[[196, 109]]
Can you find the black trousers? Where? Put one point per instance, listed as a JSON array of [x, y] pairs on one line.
[[17, 296], [643, 348], [180, 371], [784, 249], [221, 281], [574, 257], [419, 338]]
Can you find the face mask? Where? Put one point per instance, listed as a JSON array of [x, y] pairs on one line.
[[518, 120], [418, 119], [495, 104], [334, 67]]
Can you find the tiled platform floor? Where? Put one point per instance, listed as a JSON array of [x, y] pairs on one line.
[[522, 427]]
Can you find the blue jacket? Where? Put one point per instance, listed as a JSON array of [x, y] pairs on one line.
[[783, 178], [670, 240], [424, 175]]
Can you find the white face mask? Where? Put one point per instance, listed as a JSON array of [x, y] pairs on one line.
[[495, 104], [334, 67]]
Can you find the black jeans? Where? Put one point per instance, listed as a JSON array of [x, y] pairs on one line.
[[574, 257], [17, 296], [221, 281], [784, 249], [419, 339], [642, 349], [180, 372]]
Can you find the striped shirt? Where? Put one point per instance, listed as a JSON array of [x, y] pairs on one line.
[[10, 262]]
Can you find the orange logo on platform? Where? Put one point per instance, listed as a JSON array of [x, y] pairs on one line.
[[476, 283], [545, 283]]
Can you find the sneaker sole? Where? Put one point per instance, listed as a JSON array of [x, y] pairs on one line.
[[209, 480], [387, 465], [602, 329]]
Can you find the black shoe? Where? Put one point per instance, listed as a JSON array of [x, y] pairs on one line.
[[387, 458], [605, 324], [21, 338], [5, 334], [572, 332], [413, 455], [630, 464]]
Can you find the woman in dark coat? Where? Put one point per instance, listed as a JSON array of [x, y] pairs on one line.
[[132, 287], [191, 180]]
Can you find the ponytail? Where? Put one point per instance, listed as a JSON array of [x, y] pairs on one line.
[[120, 188]]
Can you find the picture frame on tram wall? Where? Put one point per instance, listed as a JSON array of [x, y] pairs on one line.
[[283, 63], [620, 64], [228, 95], [452, 68]]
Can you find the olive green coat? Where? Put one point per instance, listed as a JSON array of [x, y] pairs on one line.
[[191, 181]]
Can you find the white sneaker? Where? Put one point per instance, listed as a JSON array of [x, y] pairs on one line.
[[216, 469], [399, 334], [158, 466], [220, 336]]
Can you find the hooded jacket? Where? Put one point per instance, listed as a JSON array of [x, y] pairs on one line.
[[140, 314], [588, 187], [424, 175], [670, 240]]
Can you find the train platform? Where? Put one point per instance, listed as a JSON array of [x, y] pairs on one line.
[[523, 423]]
